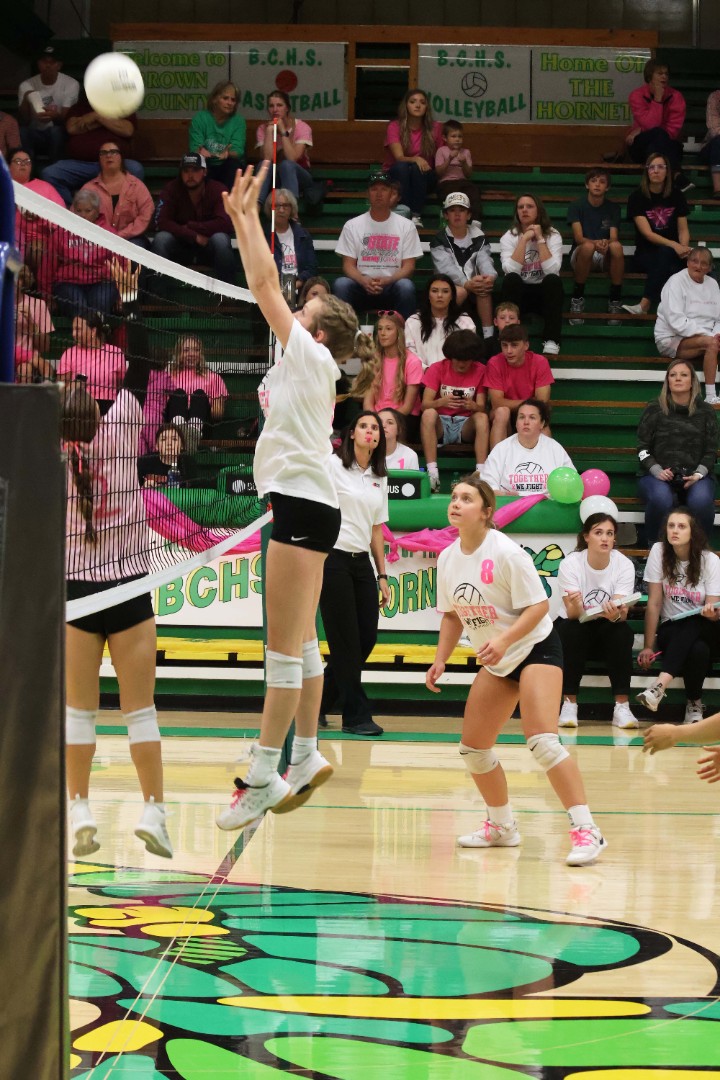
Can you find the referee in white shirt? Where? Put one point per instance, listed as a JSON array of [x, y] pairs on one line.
[[349, 597]]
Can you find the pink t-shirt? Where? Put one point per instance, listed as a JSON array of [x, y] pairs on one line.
[[210, 382], [25, 351], [465, 386], [392, 135], [122, 544], [454, 171], [413, 377], [518, 383], [37, 310], [302, 133], [103, 367]]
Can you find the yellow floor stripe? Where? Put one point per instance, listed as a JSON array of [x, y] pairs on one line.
[[440, 1008], [219, 649]]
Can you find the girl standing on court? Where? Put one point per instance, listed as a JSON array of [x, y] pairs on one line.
[[596, 575], [293, 469], [392, 378], [106, 545], [349, 597], [682, 575], [488, 588]]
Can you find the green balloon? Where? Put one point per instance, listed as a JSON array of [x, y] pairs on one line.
[[565, 485]]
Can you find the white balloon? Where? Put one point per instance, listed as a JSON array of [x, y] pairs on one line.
[[114, 85], [597, 504]]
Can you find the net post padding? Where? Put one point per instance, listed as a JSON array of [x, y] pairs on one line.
[[33, 1021]]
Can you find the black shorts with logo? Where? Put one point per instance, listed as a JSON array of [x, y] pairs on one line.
[[304, 523], [547, 652], [112, 620]]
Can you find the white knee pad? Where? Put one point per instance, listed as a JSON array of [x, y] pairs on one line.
[[283, 672], [80, 726], [142, 725], [478, 761], [547, 750], [312, 665]]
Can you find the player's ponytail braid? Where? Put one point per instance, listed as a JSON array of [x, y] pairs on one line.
[[78, 426], [83, 481]]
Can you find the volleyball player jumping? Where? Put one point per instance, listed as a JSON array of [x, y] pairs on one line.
[[292, 468], [488, 588]]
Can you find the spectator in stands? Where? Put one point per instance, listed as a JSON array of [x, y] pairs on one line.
[[29, 364], [677, 446], [294, 138], [595, 223], [9, 134], [453, 403], [392, 377], [521, 464], [662, 236], [682, 574], [595, 575], [33, 233], [293, 248], [453, 168], [378, 250], [710, 150], [87, 131], [531, 257], [35, 308], [658, 113], [198, 394], [82, 275], [314, 286], [44, 102], [506, 314], [102, 365], [397, 454], [411, 142], [461, 251], [192, 223], [168, 465], [439, 315], [688, 318], [125, 202], [512, 377], [218, 133]]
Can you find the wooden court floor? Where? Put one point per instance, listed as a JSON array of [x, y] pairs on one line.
[[352, 939]]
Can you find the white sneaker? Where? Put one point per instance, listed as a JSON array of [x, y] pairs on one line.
[[651, 696], [84, 828], [434, 483], [309, 774], [492, 835], [152, 831], [622, 716], [568, 714], [417, 221], [577, 306], [634, 309], [587, 843], [250, 802], [551, 348], [693, 712], [712, 399]]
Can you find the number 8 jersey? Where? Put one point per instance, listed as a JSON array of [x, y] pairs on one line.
[[488, 590]]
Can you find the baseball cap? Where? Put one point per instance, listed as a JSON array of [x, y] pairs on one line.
[[379, 178], [49, 52], [456, 198], [193, 161]]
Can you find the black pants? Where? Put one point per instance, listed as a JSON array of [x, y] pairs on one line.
[[196, 406], [544, 299], [349, 609], [685, 649], [656, 141], [601, 640], [659, 265]]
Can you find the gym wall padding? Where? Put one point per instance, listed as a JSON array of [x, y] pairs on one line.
[[33, 1020]]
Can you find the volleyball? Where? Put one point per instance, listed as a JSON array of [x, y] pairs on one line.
[[114, 85], [474, 84]]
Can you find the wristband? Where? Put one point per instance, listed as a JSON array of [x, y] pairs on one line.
[[382, 576]]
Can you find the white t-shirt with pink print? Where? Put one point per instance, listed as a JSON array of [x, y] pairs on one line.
[[681, 597]]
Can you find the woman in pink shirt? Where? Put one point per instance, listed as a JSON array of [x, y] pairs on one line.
[[125, 202], [412, 142], [658, 112], [100, 364], [33, 233], [83, 280], [294, 137], [391, 378], [198, 394]]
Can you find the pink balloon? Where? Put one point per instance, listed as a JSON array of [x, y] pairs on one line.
[[595, 482]]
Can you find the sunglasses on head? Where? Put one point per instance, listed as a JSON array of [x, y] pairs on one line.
[[391, 315]]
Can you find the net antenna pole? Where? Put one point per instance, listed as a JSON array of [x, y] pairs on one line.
[[10, 263], [271, 336]]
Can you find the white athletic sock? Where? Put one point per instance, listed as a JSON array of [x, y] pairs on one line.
[[580, 816], [488, 331], [301, 747], [264, 763], [500, 815], [709, 390], [432, 468]]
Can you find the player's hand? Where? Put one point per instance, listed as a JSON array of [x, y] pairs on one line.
[[492, 651], [241, 204], [384, 592], [126, 279], [432, 675], [710, 765], [659, 737]]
